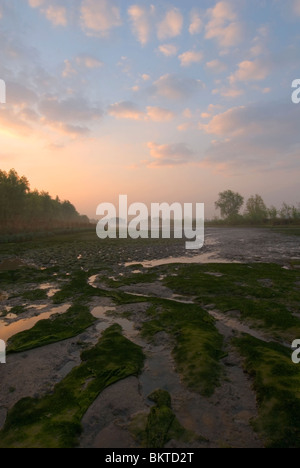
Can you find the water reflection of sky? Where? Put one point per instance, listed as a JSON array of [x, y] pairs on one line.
[[7, 331], [211, 257]]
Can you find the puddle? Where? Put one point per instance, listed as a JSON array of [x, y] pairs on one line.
[[7, 331], [138, 294], [66, 369], [11, 316], [217, 275], [51, 291], [159, 372], [100, 312], [173, 297], [37, 306], [201, 258], [236, 325], [4, 312], [182, 300], [45, 286], [92, 281]]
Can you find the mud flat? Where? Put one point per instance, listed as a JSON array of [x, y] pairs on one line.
[[210, 327]]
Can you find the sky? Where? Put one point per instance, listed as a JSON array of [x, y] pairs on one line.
[[161, 101]]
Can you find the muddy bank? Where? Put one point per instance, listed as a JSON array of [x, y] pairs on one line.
[[253, 245], [105, 425], [34, 373], [229, 245]]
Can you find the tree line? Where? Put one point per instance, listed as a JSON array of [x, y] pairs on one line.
[[231, 203], [23, 210]]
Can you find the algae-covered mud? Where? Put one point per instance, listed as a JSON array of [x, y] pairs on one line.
[[139, 343]]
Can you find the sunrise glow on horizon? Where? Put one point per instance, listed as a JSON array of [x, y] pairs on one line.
[[170, 101]]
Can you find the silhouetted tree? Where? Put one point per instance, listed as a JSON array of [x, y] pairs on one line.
[[290, 212], [13, 191], [256, 210], [22, 209], [273, 213], [230, 204]]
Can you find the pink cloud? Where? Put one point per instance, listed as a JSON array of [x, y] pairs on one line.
[[159, 114], [296, 7], [140, 22], [129, 111], [216, 66], [98, 17], [223, 25], [35, 3], [196, 25], [169, 50], [256, 70], [190, 57], [125, 110], [261, 135], [170, 155], [175, 87], [57, 15], [172, 24]]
